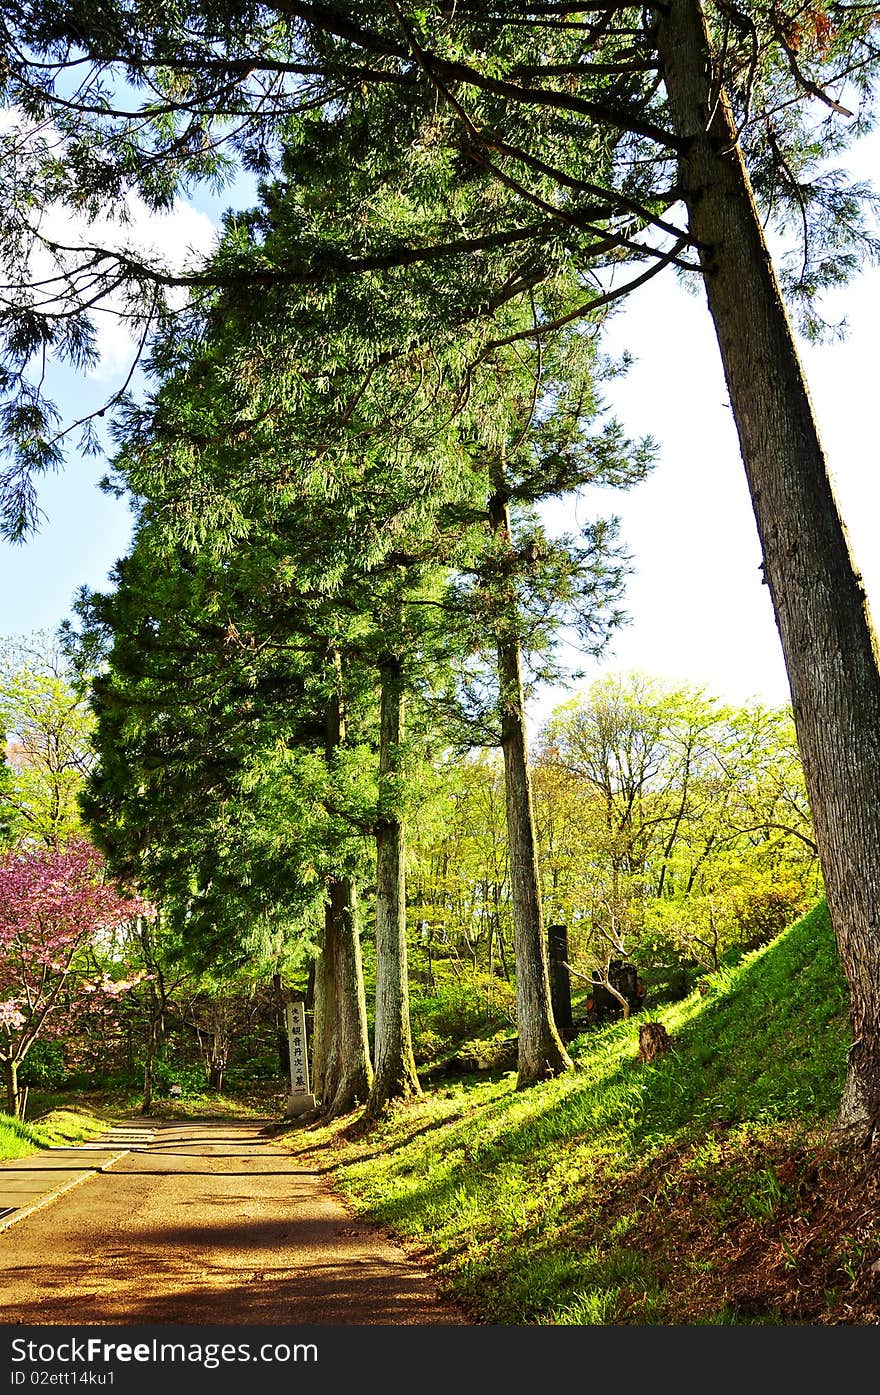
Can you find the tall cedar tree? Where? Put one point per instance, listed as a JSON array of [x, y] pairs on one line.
[[534, 440], [538, 411], [200, 690], [296, 586], [707, 106]]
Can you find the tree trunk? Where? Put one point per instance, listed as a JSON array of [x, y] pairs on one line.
[[395, 1069], [280, 1032], [343, 1072], [353, 1071], [827, 636], [541, 1051], [654, 1041], [147, 1102], [325, 1053], [217, 1062], [10, 1078]]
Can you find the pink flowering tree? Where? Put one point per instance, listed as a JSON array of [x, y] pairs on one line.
[[55, 906]]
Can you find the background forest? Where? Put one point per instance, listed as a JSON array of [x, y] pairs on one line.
[[672, 830]]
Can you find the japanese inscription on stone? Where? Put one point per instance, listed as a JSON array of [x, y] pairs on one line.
[[296, 1037]]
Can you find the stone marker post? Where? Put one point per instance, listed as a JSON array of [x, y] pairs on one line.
[[560, 983], [300, 1099]]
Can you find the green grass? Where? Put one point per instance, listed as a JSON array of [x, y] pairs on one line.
[[64, 1125], [536, 1204]]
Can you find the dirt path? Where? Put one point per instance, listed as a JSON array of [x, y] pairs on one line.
[[209, 1223]]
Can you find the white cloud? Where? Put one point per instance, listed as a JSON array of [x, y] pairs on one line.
[[176, 240]]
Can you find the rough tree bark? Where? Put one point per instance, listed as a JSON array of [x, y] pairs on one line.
[[654, 1041], [216, 1051], [395, 1068], [325, 1062], [10, 1079], [352, 1073], [343, 1074], [541, 1050], [827, 636]]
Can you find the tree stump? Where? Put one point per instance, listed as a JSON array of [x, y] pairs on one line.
[[654, 1040]]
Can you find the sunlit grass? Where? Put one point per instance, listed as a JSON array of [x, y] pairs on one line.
[[535, 1205], [18, 1138], [519, 1194]]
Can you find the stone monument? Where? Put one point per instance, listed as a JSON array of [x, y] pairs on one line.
[[300, 1100]]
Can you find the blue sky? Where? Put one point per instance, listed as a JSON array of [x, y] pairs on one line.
[[84, 531], [699, 612]]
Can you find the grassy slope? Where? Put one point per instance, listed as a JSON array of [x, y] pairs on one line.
[[75, 1125], [701, 1188]]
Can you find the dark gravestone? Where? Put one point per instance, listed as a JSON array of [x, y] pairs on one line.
[[624, 977], [560, 983]]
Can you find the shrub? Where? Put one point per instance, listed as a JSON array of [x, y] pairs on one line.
[[44, 1067], [462, 1006]]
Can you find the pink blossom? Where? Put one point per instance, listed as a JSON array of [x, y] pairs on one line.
[[11, 1017], [53, 904]]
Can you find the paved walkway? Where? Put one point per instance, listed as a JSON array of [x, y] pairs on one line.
[[201, 1221], [31, 1182]]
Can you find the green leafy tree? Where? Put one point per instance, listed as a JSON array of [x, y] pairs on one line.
[[48, 726], [412, 510], [212, 791], [460, 878], [672, 818]]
